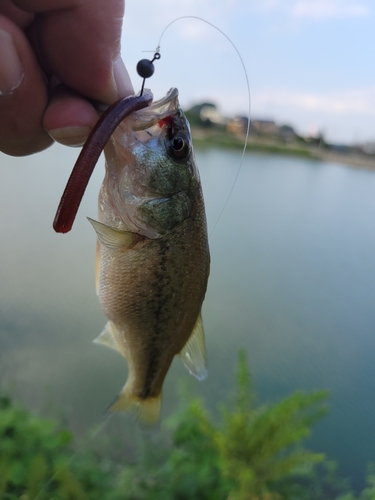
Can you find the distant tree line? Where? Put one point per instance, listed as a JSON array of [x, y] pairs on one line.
[[206, 115]]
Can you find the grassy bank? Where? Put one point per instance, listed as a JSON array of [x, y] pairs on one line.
[[219, 139], [250, 453], [216, 138]]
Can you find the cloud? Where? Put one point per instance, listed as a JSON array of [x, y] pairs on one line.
[[352, 101], [157, 15], [314, 9], [324, 9], [192, 28], [345, 116], [360, 102], [204, 67]]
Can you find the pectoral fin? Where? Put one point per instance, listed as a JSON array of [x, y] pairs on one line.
[[113, 238], [193, 354], [107, 338]]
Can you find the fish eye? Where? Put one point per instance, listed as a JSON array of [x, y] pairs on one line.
[[177, 143], [178, 147]]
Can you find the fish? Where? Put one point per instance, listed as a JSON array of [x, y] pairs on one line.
[[152, 259]]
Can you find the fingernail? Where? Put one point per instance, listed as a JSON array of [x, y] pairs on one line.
[[11, 71], [70, 136], [121, 77]]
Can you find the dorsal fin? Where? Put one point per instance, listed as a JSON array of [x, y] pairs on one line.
[[193, 354]]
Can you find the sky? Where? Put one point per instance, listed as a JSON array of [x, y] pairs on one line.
[[310, 63]]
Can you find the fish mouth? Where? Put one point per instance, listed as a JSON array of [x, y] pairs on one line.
[[164, 101], [158, 110]]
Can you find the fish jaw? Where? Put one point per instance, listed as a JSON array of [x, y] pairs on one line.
[[152, 285], [145, 190]]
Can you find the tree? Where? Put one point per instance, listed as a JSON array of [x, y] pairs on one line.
[[260, 446]]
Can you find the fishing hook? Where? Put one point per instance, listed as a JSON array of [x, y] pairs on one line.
[[145, 68]]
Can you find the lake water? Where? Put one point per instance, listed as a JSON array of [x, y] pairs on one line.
[[292, 281]]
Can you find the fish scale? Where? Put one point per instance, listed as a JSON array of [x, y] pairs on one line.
[[153, 255]]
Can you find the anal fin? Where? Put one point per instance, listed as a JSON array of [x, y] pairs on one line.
[[193, 354], [107, 338]]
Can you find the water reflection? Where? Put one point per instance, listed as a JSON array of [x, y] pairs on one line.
[[292, 281]]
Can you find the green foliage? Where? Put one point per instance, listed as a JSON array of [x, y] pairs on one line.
[[34, 460], [258, 447], [369, 492], [189, 470], [194, 115], [251, 452]]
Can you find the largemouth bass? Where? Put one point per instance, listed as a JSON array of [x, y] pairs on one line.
[[152, 252]]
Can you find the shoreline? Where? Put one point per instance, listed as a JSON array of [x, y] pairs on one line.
[[348, 160], [205, 139]]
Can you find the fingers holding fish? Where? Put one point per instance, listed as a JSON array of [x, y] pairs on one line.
[[23, 94], [69, 117], [43, 43], [89, 155], [152, 249]]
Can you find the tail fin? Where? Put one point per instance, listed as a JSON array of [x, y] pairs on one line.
[[146, 410]]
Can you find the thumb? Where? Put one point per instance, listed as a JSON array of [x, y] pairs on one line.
[[23, 96]]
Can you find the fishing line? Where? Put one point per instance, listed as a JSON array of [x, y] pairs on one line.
[[85, 442], [145, 69], [157, 52]]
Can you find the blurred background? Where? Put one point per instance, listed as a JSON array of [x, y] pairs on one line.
[[308, 61], [293, 267]]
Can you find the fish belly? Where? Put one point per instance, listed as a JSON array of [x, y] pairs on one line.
[[152, 295]]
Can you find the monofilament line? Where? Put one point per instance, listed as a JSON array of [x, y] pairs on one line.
[[91, 436], [249, 102]]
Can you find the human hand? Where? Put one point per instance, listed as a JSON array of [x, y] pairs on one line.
[[56, 55]]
